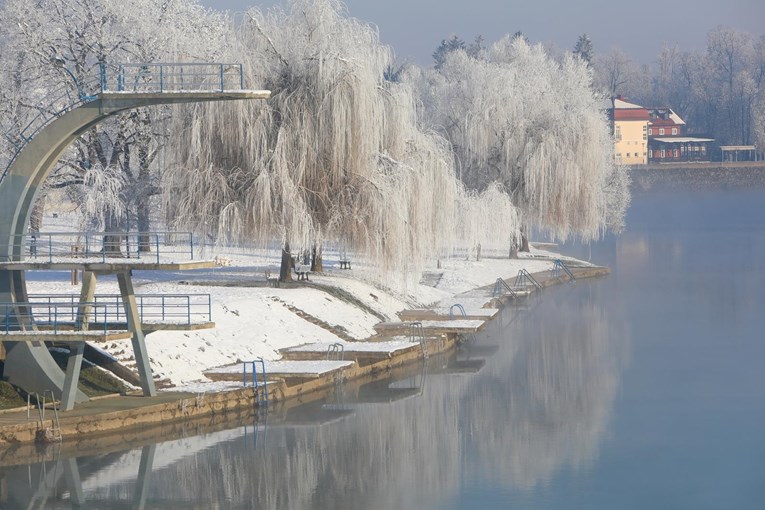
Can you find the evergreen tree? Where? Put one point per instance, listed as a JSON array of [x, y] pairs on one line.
[[583, 48], [447, 46]]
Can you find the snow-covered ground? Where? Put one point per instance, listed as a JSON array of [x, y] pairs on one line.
[[253, 320], [257, 321]]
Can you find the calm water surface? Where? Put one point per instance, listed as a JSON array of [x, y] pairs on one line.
[[645, 389]]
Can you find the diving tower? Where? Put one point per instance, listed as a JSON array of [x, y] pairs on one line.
[[37, 147]]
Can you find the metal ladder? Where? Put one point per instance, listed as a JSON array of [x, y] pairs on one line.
[[501, 287], [336, 351], [261, 389], [459, 308], [524, 279], [49, 434], [559, 269], [417, 334]]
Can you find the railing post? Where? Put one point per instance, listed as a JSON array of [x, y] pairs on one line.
[[163, 307], [102, 69], [50, 248], [121, 78], [188, 310], [191, 245], [161, 78], [209, 308], [241, 77], [221, 79]]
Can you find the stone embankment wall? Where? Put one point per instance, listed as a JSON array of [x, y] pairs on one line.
[[697, 176]]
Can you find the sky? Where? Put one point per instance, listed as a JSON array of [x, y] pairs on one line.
[[415, 27]]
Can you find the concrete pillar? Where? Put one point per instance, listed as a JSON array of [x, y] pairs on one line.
[[134, 325], [72, 377], [87, 295]]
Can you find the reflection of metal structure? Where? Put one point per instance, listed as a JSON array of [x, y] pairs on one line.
[[38, 146]]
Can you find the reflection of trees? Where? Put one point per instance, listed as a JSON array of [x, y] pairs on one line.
[[550, 404], [542, 402]]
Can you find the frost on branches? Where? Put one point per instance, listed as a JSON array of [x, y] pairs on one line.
[[516, 117], [335, 155]]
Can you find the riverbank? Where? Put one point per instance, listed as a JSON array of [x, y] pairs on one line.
[[697, 176], [337, 307]]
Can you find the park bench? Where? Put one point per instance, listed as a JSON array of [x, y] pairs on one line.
[[272, 281], [302, 270], [345, 264]]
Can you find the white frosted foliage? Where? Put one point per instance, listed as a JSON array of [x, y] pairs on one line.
[[517, 117], [335, 155]]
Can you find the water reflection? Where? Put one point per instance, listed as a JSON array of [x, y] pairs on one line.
[[534, 394]]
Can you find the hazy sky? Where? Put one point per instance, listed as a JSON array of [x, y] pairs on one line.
[[415, 27]]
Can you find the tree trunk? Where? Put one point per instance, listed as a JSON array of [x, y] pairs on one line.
[[143, 223], [317, 264], [285, 271], [524, 241]]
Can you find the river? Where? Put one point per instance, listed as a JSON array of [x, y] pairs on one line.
[[644, 389]]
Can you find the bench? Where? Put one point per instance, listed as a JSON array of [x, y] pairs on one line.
[[345, 264], [272, 281], [302, 270]]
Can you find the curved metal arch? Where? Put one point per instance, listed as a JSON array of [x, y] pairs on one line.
[[29, 364]]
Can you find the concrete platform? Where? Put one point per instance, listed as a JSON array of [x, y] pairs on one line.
[[65, 336], [289, 369], [358, 351], [432, 327], [424, 314]]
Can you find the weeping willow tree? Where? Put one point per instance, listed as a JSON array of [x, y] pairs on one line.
[[336, 154], [518, 118]]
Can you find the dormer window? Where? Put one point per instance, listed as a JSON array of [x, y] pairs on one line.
[[674, 131], [661, 131]]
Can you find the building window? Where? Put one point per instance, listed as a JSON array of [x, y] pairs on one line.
[[618, 133], [661, 131], [674, 131], [662, 153], [650, 153], [650, 131]]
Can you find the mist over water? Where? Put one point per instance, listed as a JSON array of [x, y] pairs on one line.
[[644, 389]]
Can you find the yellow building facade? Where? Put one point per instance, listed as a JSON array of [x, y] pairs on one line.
[[630, 125]]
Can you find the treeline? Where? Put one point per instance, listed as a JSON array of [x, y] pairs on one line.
[[399, 163]]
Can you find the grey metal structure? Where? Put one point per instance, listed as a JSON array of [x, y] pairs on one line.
[[28, 363]]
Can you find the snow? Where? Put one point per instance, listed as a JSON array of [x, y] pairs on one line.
[[390, 346], [258, 321], [317, 367]]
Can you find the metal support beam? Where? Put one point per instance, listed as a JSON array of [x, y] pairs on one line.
[[125, 281], [73, 365]]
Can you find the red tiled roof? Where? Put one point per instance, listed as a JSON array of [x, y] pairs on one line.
[[631, 114]]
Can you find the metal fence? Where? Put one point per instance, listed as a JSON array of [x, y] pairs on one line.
[[50, 317], [152, 308], [150, 247]]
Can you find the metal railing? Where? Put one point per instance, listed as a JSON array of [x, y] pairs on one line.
[[261, 388], [501, 287], [417, 334], [559, 269], [171, 77], [459, 308], [524, 279], [51, 318], [152, 308], [133, 78], [104, 246]]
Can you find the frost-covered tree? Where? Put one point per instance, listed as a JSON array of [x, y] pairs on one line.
[[336, 154], [534, 126], [54, 48]]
